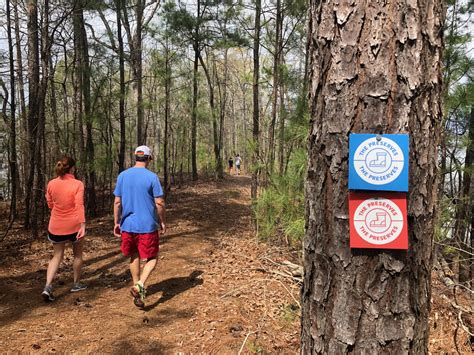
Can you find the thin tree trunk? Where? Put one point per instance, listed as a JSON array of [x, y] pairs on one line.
[[23, 122], [33, 109], [281, 147], [223, 108], [137, 70], [12, 139], [54, 110], [256, 106], [78, 91], [374, 66], [466, 199], [121, 157], [195, 96], [215, 129], [83, 79], [167, 115], [276, 87], [40, 152]]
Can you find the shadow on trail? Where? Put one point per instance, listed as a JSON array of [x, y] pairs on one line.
[[209, 213], [152, 346], [173, 287], [28, 286]]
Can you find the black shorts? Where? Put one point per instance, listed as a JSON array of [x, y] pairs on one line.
[[53, 238]]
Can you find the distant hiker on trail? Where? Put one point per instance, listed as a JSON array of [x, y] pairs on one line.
[[65, 197], [231, 165], [139, 212], [238, 161]]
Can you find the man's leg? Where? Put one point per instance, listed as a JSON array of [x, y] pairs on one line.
[[135, 267], [147, 269]]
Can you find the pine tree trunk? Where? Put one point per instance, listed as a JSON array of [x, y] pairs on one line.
[[281, 146], [12, 139], [33, 108], [375, 67], [121, 157], [195, 96], [215, 129], [23, 122], [58, 147], [276, 87], [464, 208], [222, 116], [256, 106], [83, 105], [167, 116], [78, 93], [137, 71]]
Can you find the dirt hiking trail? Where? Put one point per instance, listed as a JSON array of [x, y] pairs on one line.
[[214, 291]]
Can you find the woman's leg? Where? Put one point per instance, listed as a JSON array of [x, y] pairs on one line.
[[77, 249], [54, 262]]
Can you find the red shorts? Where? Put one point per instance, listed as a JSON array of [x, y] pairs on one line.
[[146, 245]]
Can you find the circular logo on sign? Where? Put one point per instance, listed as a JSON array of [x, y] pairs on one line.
[[378, 162], [378, 221]]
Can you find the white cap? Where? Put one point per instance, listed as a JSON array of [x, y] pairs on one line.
[[143, 150]]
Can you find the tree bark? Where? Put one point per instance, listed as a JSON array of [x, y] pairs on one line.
[[215, 128], [77, 85], [375, 66], [23, 122], [137, 70], [256, 106], [281, 146], [167, 115], [83, 79], [196, 45], [33, 108], [464, 208], [39, 152], [58, 146], [276, 86], [12, 139], [121, 156]]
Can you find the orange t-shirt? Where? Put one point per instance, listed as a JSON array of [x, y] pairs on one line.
[[65, 197]]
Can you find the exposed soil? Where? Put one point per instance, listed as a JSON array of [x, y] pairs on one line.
[[216, 289], [211, 291]]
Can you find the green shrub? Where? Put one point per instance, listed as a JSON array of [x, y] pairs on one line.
[[279, 209]]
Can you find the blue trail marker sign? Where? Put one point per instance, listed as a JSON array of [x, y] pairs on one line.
[[378, 162]]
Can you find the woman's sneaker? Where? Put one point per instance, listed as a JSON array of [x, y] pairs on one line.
[[48, 294], [78, 287], [138, 293]]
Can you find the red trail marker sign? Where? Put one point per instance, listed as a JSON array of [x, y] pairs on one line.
[[378, 222]]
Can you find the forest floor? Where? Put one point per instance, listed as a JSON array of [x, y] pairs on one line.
[[216, 289], [213, 290]]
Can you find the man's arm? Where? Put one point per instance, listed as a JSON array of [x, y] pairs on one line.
[[117, 215], [160, 208]]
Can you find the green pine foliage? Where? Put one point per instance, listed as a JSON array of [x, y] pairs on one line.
[[279, 210]]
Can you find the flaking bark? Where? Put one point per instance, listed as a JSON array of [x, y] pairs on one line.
[[375, 68]]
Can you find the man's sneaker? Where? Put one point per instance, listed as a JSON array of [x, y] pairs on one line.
[[78, 287], [47, 294], [138, 293]]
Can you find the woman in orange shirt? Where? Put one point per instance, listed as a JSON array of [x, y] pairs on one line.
[[65, 197]]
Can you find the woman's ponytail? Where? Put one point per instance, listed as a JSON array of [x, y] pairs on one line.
[[64, 165]]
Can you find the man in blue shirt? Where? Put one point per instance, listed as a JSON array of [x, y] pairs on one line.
[[139, 217]]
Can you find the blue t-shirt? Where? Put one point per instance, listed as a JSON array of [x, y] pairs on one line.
[[137, 188]]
